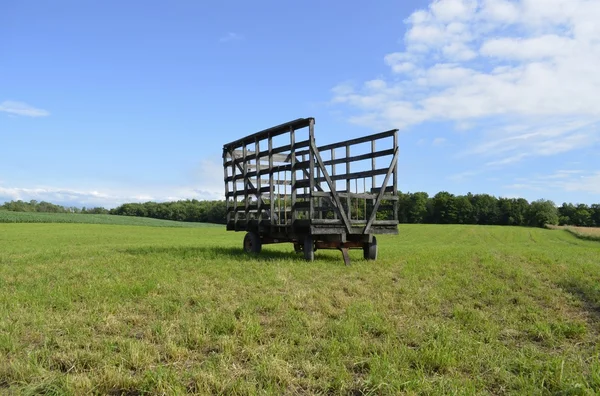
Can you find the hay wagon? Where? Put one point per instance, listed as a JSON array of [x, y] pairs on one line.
[[281, 187]]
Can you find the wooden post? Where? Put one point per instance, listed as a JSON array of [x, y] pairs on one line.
[[348, 201], [226, 175], [271, 188], [335, 216], [373, 178], [293, 178], [395, 176], [235, 196], [245, 175], [311, 170], [258, 181]]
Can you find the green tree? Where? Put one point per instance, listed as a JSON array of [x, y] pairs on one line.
[[444, 208], [542, 212], [485, 209], [417, 211]]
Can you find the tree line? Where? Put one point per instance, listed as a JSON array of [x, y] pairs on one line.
[[47, 207], [418, 207]]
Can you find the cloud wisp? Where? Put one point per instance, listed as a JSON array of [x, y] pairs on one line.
[[577, 181], [22, 109], [231, 36]]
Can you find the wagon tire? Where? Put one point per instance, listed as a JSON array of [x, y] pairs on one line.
[[309, 249], [370, 250], [252, 243]]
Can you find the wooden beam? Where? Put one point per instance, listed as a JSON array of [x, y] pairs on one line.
[[381, 192], [270, 132], [352, 142], [331, 187]]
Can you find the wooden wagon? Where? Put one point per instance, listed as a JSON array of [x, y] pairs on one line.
[[281, 187]]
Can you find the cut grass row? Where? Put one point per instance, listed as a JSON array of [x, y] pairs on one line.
[[34, 217], [446, 309]]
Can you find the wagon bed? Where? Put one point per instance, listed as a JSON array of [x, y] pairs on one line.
[[281, 187]]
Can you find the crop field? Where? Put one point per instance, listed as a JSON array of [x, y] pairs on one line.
[[115, 309], [34, 217], [590, 233]]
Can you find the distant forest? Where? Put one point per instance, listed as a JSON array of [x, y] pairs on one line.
[[419, 207]]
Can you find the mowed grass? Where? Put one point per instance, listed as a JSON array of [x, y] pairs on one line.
[[446, 309], [34, 217]]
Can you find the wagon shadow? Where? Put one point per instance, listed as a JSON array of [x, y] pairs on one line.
[[221, 252]]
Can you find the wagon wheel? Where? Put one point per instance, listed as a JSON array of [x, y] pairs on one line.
[[252, 243], [370, 250], [309, 248]]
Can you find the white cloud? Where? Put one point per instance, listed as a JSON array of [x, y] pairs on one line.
[[205, 182], [107, 198], [22, 109], [500, 65], [231, 36]]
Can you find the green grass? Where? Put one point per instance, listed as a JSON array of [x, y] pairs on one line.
[[446, 309], [34, 217]]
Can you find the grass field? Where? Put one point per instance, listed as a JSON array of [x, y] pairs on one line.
[[33, 217], [446, 309]]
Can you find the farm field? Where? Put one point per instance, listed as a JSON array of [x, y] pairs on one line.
[[35, 217], [107, 309], [590, 233]]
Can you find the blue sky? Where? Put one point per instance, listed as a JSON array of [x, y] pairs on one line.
[[109, 102]]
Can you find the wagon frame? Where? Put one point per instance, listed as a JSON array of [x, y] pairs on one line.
[[317, 212]]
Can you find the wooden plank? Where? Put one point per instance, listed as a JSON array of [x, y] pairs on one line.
[[348, 199], [225, 175], [381, 193], [395, 180], [389, 197], [235, 203], [354, 175], [333, 174], [331, 187], [311, 168], [374, 164], [293, 176], [361, 157], [258, 181], [352, 142], [246, 181], [271, 189], [249, 183], [270, 132], [388, 189], [251, 155], [297, 145]]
